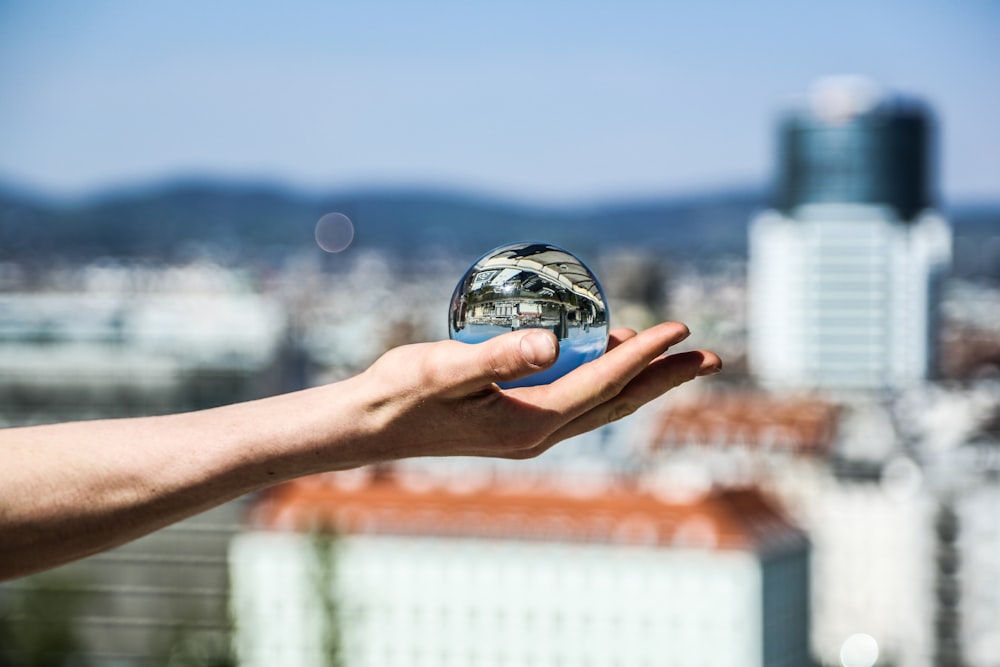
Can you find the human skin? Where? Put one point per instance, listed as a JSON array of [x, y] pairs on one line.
[[70, 490]]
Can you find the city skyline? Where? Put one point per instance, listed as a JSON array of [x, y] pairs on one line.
[[548, 104]]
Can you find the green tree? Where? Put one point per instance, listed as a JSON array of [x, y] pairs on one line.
[[36, 622], [325, 545]]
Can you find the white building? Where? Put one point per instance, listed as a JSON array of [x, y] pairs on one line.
[[872, 544], [501, 575], [844, 270], [119, 341], [978, 510], [843, 296]]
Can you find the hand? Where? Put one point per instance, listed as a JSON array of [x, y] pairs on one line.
[[439, 399]]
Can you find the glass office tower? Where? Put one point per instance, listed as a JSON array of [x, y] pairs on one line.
[[845, 265]]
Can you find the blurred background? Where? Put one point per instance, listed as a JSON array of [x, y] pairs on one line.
[[814, 188]]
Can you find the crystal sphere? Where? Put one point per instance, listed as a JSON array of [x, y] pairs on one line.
[[532, 285]]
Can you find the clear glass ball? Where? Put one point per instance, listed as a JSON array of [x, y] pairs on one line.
[[532, 285]]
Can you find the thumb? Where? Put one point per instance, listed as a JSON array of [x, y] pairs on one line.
[[504, 358]]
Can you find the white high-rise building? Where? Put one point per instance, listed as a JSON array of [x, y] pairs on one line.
[[845, 268]]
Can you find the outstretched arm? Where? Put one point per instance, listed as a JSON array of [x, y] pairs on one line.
[[72, 490]]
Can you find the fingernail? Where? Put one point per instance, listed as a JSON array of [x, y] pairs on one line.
[[538, 348], [711, 370]]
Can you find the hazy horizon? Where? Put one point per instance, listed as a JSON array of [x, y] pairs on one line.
[[552, 104]]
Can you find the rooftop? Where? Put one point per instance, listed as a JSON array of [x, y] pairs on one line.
[[796, 425], [378, 502]]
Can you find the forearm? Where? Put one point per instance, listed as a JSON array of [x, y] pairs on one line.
[[70, 490]]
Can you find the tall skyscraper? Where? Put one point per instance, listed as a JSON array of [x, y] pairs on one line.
[[845, 266]]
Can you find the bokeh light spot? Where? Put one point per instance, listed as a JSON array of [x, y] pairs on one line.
[[859, 650], [334, 232]]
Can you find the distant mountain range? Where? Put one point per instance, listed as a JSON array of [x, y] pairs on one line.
[[254, 220]]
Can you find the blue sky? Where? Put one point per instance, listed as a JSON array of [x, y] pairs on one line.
[[538, 101]]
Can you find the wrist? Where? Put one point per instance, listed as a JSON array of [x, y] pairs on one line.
[[330, 427]]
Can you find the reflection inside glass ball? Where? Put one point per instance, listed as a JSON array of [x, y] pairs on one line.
[[532, 285]]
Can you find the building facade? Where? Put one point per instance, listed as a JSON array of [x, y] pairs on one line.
[[872, 535], [845, 267], [505, 576]]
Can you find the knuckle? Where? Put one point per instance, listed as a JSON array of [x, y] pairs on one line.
[[496, 364], [611, 390], [523, 454], [621, 410], [434, 368], [519, 455], [525, 441]]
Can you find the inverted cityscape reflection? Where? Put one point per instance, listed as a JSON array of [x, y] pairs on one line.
[[532, 285]]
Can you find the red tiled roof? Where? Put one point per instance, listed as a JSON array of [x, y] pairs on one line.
[[740, 519], [801, 425]]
